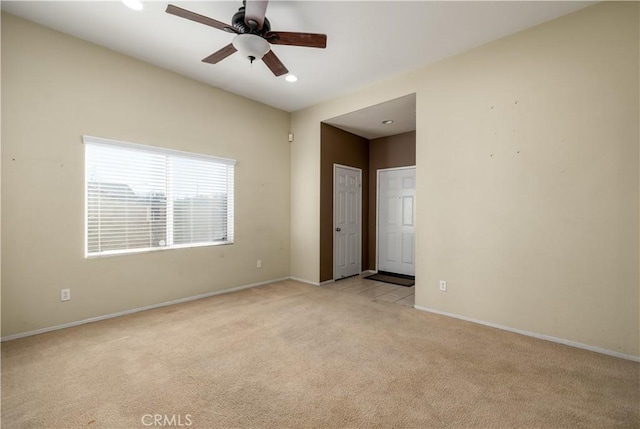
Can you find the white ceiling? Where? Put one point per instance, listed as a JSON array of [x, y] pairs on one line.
[[368, 41], [367, 122]]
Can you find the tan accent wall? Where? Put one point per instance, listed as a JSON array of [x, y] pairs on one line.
[[530, 211], [55, 88], [340, 147], [386, 152]]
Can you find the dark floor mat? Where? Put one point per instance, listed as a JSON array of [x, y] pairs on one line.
[[399, 279]]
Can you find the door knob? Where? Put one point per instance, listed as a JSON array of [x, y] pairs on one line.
[[338, 229]]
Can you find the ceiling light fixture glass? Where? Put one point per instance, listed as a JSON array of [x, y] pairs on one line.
[[387, 122], [291, 78], [133, 4], [251, 46]]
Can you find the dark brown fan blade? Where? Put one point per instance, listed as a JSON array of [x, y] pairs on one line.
[[309, 40], [220, 55], [183, 13], [255, 10], [274, 64]]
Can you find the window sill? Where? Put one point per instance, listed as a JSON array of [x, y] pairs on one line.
[[155, 249]]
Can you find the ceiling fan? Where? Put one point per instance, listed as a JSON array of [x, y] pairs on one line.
[[253, 35]]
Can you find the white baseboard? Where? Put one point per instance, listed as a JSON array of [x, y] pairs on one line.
[[326, 282], [136, 310], [533, 334], [305, 281], [312, 283]]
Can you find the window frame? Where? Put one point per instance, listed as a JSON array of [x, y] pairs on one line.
[[230, 214]]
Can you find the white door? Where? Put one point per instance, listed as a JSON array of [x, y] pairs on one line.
[[347, 196], [396, 219]]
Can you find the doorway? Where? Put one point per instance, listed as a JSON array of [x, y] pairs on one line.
[[347, 221], [359, 139], [396, 210]]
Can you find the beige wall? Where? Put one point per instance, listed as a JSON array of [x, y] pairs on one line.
[[528, 175], [528, 210], [57, 88]]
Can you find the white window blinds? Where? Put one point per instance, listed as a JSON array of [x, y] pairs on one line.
[[141, 198]]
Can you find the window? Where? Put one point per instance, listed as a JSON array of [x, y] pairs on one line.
[[141, 198]]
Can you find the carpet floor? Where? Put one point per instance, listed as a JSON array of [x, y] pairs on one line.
[[292, 355]]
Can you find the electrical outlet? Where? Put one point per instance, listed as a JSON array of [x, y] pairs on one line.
[[65, 294], [259, 264], [443, 285]]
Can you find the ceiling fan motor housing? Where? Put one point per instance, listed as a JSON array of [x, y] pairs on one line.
[[238, 23]]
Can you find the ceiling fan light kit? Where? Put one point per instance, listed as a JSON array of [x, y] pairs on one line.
[[251, 46], [253, 35]]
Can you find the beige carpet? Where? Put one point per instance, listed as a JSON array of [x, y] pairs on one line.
[[292, 355]]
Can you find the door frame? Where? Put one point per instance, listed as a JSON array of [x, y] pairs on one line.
[[408, 167], [333, 231]]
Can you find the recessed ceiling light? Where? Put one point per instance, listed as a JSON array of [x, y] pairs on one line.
[[291, 78], [133, 4], [387, 122]]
